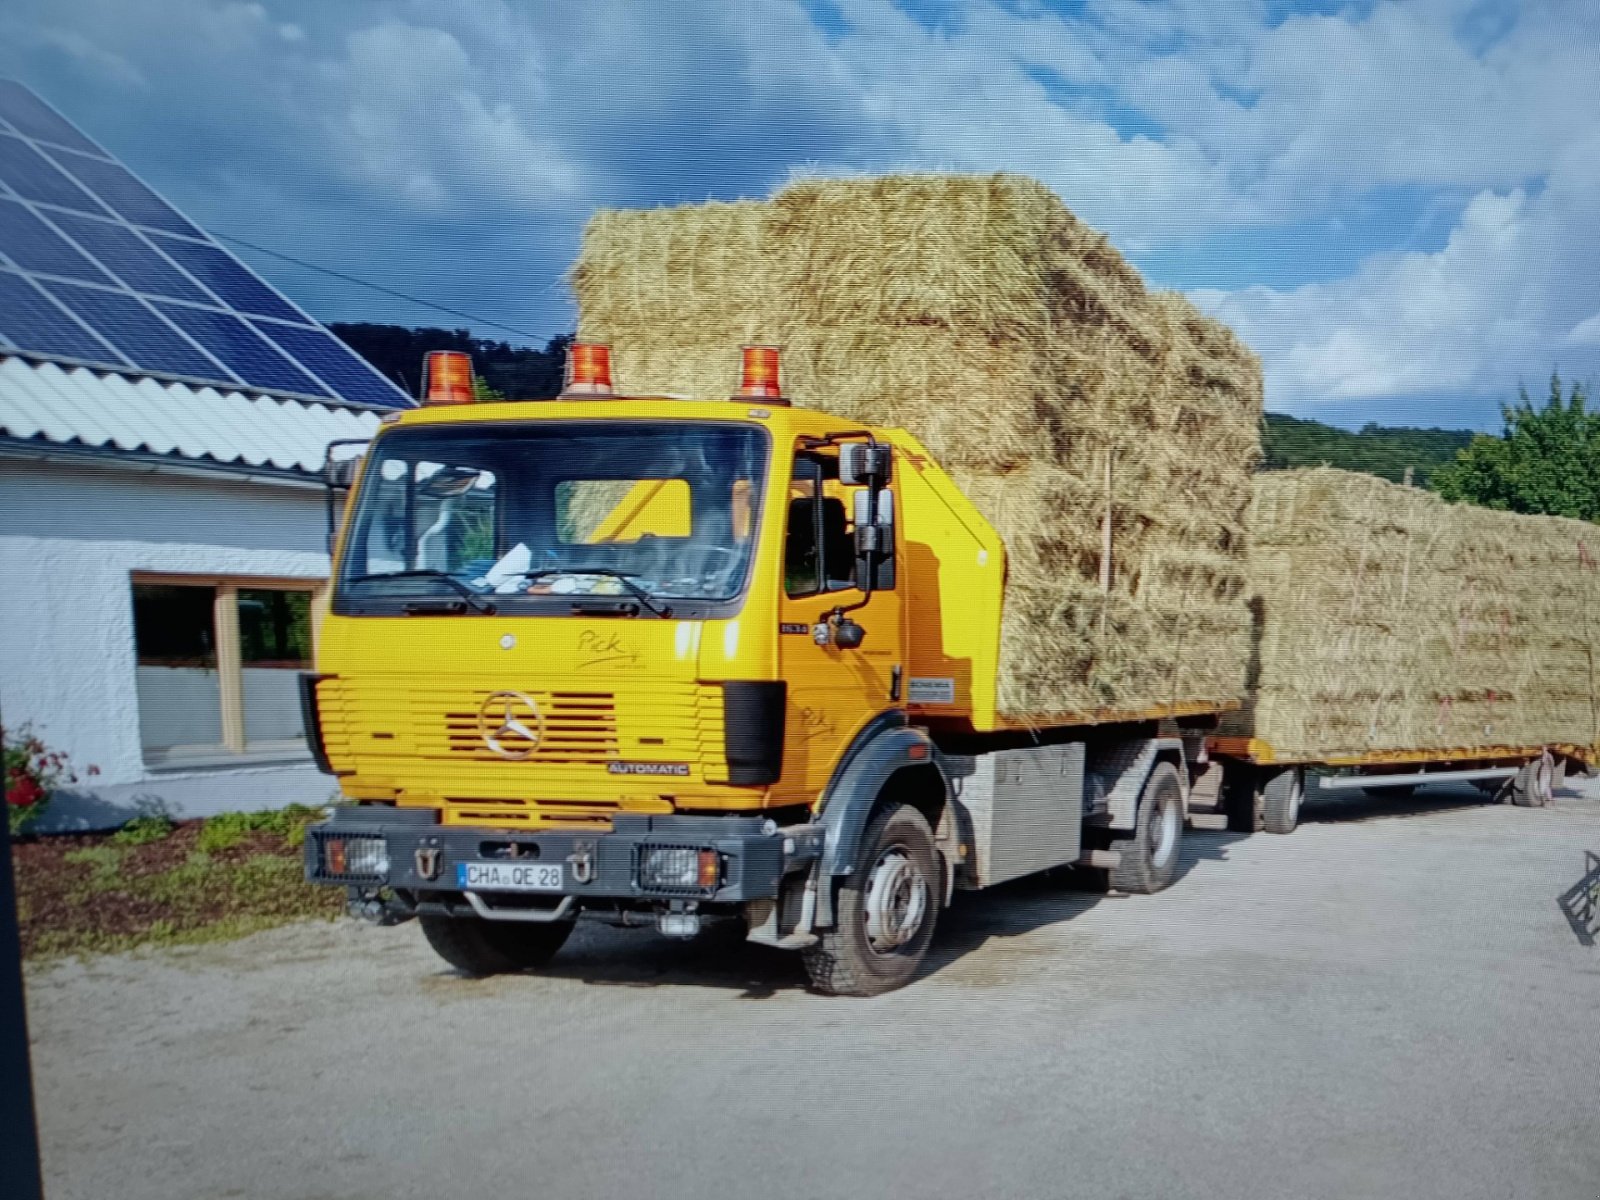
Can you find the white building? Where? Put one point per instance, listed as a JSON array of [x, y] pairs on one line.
[[164, 417], [164, 547]]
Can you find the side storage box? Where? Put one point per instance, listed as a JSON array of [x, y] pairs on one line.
[[1020, 811]]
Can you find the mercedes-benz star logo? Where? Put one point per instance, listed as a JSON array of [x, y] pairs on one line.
[[511, 724]]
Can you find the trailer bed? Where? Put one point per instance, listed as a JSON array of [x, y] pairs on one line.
[[1261, 753]]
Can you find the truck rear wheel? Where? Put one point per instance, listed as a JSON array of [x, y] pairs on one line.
[[887, 910], [478, 947], [1280, 800], [1149, 859]]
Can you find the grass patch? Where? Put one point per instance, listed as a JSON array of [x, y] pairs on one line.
[[141, 831], [198, 882], [227, 830]]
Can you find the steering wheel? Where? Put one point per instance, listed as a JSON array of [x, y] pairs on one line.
[[735, 557]]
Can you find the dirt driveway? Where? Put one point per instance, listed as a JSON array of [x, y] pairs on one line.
[[1388, 1003]]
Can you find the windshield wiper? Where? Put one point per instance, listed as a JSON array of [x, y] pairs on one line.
[[475, 602], [625, 577]]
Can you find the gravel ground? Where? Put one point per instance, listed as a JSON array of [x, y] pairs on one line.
[[1387, 1003]]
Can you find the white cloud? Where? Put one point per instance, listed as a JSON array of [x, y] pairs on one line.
[[1586, 333], [407, 112], [1498, 303], [493, 127]]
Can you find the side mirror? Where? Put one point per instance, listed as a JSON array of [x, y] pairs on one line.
[[339, 476], [863, 464], [874, 539], [340, 473]]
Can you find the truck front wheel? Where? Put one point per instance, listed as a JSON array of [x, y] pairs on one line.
[[478, 947], [888, 906], [1148, 861]]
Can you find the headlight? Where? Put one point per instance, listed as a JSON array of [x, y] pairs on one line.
[[364, 856], [679, 869]]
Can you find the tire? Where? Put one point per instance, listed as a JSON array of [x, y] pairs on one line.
[[1532, 786], [888, 907], [1558, 776], [477, 947], [1280, 800], [1149, 860]]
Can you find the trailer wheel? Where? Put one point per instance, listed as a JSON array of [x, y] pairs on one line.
[[1558, 775], [888, 906], [1149, 859], [1533, 786], [478, 947], [1280, 800]]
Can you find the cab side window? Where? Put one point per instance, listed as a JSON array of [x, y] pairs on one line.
[[819, 549]]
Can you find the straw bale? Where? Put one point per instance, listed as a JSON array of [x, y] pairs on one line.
[[1390, 620], [1021, 349]]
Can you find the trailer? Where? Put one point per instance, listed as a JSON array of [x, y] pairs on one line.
[[1264, 790]]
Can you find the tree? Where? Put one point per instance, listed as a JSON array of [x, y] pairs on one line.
[[518, 372], [1387, 451], [1547, 460]]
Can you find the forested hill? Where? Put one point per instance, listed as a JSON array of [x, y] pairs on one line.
[[1375, 449], [518, 372], [528, 373]]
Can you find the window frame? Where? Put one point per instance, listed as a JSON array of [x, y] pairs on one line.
[[689, 608], [819, 478], [234, 750]]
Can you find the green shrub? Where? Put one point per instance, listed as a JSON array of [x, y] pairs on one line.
[[141, 831], [227, 830]]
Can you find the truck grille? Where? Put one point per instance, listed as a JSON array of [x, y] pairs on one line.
[[579, 727], [417, 734]]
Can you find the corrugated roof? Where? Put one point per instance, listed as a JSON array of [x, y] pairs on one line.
[[78, 406]]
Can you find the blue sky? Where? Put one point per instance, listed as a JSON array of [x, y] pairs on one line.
[[1396, 204]]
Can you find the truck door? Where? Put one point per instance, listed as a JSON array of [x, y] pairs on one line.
[[833, 691]]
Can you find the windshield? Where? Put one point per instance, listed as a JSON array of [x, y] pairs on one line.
[[557, 510]]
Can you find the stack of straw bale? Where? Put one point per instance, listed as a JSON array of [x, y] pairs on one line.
[[1025, 353], [1390, 620]]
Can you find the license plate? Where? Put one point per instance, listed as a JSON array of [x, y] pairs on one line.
[[508, 877]]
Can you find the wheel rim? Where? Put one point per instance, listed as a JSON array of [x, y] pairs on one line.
[[896, 901], [1297, 793], [1164, 832]]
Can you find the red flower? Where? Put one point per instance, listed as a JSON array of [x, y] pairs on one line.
[[23, 791]]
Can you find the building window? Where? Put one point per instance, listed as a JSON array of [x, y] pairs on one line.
[[274, 647], [180, 698], [217, 667]]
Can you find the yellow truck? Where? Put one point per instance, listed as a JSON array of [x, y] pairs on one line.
[[649, 660]]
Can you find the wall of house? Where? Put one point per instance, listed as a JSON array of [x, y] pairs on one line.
[[71, 537]]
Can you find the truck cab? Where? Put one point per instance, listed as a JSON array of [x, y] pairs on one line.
[[650, 659]]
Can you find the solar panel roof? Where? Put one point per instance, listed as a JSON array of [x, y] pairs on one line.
[[97, 269]]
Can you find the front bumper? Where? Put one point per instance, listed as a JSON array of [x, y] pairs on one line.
[[423, 855]]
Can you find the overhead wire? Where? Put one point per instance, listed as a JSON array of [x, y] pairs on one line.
[[378, 287]]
